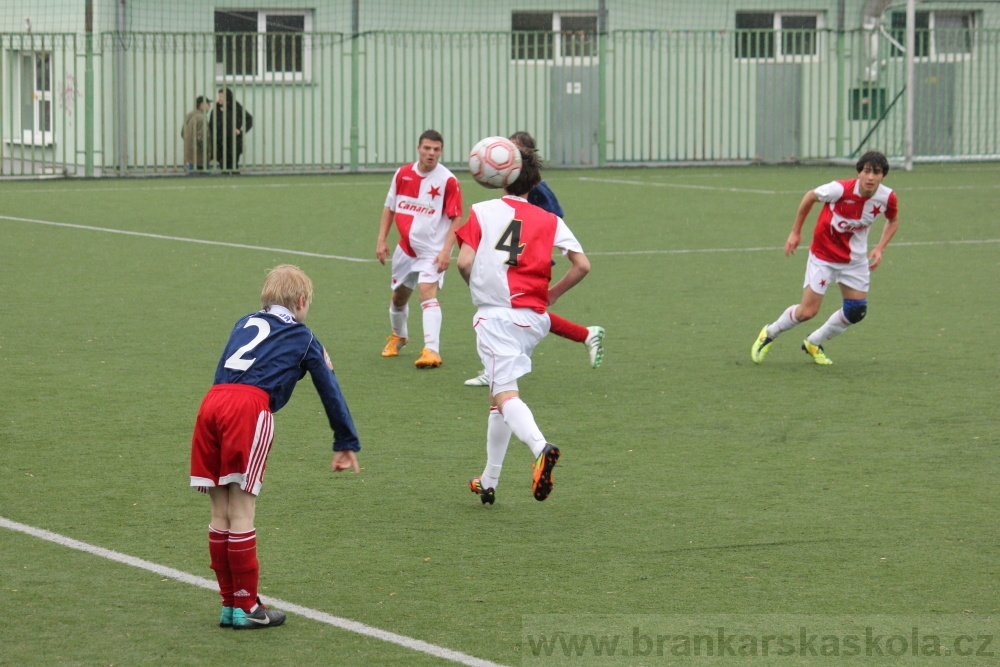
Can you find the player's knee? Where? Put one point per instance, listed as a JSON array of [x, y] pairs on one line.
[[805, 313], [855, 310]]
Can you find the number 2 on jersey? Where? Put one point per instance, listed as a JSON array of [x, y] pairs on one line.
[[510, 242], [236, 360]]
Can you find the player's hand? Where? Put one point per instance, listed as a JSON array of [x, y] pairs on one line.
[[443, 261], [343, 460], [792, 243], [381, 251], [874, 259]]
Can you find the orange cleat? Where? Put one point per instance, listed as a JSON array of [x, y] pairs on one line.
[[428, 359], [542, 484], [393, 345]]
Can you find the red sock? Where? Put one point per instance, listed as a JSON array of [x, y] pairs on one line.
[[567, 329], [245, 568], [218, 550]]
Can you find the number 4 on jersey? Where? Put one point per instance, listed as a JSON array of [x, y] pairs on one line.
[[510, 242]]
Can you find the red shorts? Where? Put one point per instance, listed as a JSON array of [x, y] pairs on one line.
[[232, 437]]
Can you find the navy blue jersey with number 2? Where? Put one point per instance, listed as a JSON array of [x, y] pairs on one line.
[[273, 352]]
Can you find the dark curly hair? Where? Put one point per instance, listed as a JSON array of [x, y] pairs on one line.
[[878, 162]]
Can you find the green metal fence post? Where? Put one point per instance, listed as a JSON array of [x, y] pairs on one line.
[[88, 92], [840, 79], [355, 93], [602, 122]]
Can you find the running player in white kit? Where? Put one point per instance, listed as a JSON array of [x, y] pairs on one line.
[[838, 254]]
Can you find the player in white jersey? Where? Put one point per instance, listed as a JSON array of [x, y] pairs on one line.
[[838, 254], [425, 202], [506, 257]]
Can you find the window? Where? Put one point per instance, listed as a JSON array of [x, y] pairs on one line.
[[36, 98], [777, 35], [561, 37], [867, 103], [262, 45], [937, 35]]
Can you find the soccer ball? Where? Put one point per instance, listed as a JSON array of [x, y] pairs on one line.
[[495, 162]]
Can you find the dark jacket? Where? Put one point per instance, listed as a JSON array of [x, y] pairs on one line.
[[225, 122]]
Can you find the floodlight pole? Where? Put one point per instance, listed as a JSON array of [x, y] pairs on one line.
[[911, 19]]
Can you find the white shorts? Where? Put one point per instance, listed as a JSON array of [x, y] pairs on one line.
[[821, 274], [408, 271], [505, 339]]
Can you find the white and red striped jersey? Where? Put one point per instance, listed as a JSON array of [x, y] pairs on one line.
[[841, 233], [423, 206], [513, 241]]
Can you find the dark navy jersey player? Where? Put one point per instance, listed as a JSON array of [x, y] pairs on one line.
[[273, 351], [268, 352], [543, 197]]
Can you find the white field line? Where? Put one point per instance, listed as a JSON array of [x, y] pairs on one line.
[[690, 251], [207, 186], [716, 188], [184, 577], [687, 186], [184, 239], [679, 251]]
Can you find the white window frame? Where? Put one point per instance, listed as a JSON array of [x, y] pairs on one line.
[[262, 75], [40, 119], [576, 61], [932, 55], [557, 43], [779, 55]]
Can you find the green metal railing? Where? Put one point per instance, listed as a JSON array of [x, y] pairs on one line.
[[343, 102]]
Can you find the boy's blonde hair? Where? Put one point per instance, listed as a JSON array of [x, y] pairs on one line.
[[284, 285]]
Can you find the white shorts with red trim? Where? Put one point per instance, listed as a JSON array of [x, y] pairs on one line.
[[821, 274], [409, 271], [505, 340]]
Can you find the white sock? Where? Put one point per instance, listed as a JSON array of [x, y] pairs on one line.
[[432, 324], [783, 323], [397, 319], [497, 438], [520, 420], [833, 327]]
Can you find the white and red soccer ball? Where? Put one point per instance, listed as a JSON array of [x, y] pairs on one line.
[[495, 162]]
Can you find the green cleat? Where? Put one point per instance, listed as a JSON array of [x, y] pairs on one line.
[[595, 345], [817, 353], [761, 346]]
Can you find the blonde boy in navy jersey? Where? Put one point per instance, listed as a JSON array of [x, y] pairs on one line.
[[267, 354]]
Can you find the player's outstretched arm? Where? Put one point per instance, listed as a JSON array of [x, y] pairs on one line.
[[578, 270], [875, 256], [795, 236], [343, 460], [381, 247], [443, 258]]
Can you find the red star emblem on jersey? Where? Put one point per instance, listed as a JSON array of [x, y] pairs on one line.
[[435, 192], [822, 283], [876, 210]]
